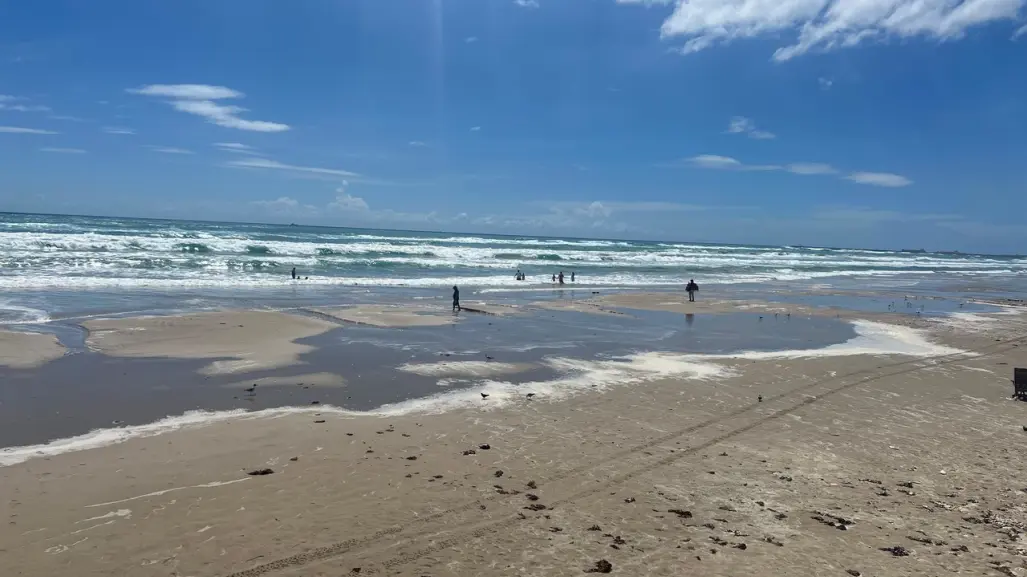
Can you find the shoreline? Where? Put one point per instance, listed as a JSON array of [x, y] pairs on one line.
[[568, 375]]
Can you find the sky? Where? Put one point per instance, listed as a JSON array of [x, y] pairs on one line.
[[867, 123]]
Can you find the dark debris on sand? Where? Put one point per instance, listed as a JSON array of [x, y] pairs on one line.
[[600, 566], [897, 551], [260, 472]]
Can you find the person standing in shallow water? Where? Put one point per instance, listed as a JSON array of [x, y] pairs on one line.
[[456, 299], [692, 288], [293, 273]]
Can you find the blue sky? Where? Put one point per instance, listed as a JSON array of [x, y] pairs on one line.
[[877, 123]]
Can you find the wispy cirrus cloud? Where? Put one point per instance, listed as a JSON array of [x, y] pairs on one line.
[[743, 125], [12, 103], [879, 179], [717, 162], [23, 130], [825, 25], [236, 147], [59, 150], [266, 163], [417, 143], [24, 107], [120, 130], [170, 150], [202, 100], [527, 3]]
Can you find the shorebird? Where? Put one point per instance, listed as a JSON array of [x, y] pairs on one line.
[[759, 398], [488, 358], [530, 395], [252, 389], [484, 395]]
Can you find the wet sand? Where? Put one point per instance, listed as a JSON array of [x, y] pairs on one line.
[[881, 465], [21, 350]]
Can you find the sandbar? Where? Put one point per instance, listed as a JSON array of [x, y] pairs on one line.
[[388, 316], [21, 350], [249, 340]]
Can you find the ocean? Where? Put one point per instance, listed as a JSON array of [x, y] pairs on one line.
[[53, 262]]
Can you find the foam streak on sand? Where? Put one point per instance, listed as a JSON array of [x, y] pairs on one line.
[[166, 491], [578, 376]]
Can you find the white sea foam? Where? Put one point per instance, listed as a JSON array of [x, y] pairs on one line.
[[466, 369], [577, 376], [872, 338], [15, 314], [969, 322]]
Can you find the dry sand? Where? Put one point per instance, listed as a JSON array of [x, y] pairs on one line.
[[27, 350], [251, 340], [391, 316], [843, 458]]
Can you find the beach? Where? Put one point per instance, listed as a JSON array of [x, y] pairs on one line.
[[887, 444]]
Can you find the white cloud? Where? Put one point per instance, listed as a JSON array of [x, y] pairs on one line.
[[67, 118], [226, 115], [527, 3], [118, 130], [20, 130], [62, 150], [740, 125], [170, 150], [810, 168], [200, 100], [417, 143], [471, 39], [187, 91], [284, 205], [607, 208], [743, 125], [826, 24], [475, 128], [8, 98], [236, 147], [233, 146], [715, 161], [1020, 32], [345, 202], [879, 179], [275, 165], [825, 83]]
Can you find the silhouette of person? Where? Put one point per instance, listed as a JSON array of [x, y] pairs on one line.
[[293, 273], [561, 277], [572, 276], [692, 288], [456, 299]]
